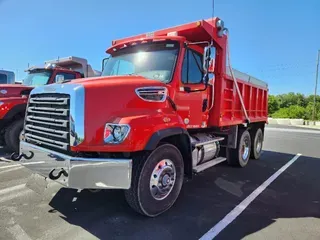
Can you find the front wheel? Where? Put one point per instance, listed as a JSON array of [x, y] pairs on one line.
[[156, 181], [13, 136]]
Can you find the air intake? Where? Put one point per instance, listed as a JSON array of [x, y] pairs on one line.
[[152, 94]]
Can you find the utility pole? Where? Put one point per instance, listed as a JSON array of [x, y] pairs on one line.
[[315, 89]]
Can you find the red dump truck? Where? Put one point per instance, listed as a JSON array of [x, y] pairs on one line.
[[166, 106], [14, 97]]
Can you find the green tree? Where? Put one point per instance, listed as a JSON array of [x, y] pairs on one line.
[[310, 99], [293, 111], [273, 104], [309, 111], [301, 100], [290, 99], [293, 105]]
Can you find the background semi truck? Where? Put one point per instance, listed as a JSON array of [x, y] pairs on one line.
[[14, 97], [168, 105], [7, 77]]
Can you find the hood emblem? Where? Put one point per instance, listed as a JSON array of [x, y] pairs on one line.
[[50, 89], [3, 91]]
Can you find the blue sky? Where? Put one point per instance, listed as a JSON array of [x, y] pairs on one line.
[[276, 41]]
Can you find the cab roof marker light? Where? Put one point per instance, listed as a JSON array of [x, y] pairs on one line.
[[150, 34], [158, 40], [172, 33], [124, 46]]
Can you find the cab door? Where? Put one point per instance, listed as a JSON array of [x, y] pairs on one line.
[[191, 96]]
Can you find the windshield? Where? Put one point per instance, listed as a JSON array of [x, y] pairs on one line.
[[37, 78], [151, 60]]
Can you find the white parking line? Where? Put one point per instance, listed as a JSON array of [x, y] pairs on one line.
[[11, 169], [230, 217], [18, 233], [14, 195], [15, 165], [10, 189], [5, 160]]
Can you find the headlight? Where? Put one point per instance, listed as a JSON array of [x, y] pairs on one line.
[[115, 133]]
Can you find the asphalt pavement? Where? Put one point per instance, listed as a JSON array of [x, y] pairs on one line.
[[236, 201]]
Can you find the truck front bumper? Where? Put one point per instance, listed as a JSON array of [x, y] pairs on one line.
[[75, 172]]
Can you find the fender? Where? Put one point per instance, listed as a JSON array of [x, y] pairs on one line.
[[17, 109], [184, 145], [163, 133]]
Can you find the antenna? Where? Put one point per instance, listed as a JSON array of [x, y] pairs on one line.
[[212, 21], [212, 8]]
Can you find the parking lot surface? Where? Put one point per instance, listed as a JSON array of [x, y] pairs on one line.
[[287, 208]]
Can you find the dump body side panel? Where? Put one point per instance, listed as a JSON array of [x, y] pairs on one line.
[[229, 111]]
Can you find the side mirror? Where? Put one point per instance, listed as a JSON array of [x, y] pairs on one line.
[[206, 59], [59, 78], [104, 62]]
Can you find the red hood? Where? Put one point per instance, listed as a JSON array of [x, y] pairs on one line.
[[116, 80], [12, 90]]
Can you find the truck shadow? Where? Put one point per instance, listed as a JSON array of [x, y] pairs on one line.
[[203, 202], [4, 154]]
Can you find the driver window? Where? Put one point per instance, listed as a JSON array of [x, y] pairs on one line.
[[192, 68]]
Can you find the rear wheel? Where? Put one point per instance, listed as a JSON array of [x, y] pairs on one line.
[[12, 136], [240, 156], [256, 142], [156, 181]]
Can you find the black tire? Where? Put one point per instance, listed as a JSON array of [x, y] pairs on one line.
[[236, 156], [139, 196], [12, 136], [256, 138]]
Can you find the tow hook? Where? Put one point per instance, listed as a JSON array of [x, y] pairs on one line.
[[55, 177], [17, 157]]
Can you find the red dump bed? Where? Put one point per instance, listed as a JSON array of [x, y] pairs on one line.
[[227, 108]]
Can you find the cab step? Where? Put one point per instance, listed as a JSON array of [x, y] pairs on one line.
[[208, 164], [201, 143]]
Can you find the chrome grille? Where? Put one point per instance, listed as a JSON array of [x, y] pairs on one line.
[[47, 121]]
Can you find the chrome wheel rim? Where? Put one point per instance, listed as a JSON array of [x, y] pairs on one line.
[[245, 149], [259, 143], [162, 179]]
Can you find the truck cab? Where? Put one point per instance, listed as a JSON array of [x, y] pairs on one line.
[[7, 77], [14, 97], [165, 107]]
